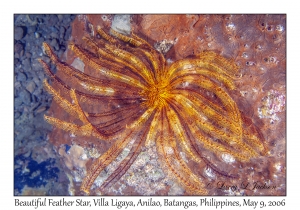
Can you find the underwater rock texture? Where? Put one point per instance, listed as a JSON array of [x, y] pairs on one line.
[[32, 150], [257, 44]]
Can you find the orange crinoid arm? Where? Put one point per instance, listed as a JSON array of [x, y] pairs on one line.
[[162, 105]]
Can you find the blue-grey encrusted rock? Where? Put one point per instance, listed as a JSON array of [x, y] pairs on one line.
[[26, 63], [21, 77], [18, 101], [18, 48], [25, 97], [19, 33]]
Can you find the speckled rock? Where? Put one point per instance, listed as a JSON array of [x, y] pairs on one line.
[[18, 48], [19, 33], [26, 64], [30, 101], [54, 44], [25, 97], [18, 101], [26, 131], [30, 86], [21, 77]]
